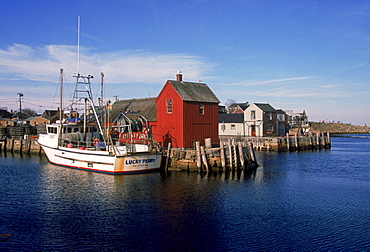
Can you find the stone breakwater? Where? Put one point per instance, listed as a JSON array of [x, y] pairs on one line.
[[339, 128]]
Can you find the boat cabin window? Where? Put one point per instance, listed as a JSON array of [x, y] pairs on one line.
[[80, 129], [52, 130]]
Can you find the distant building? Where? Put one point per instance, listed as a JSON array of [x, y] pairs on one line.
[[51, 115], [296, 120], [231, 125], [19, 116], [283, 126], [38, 120], [236, 108], [222, 109], [261, 120], [7, 122]]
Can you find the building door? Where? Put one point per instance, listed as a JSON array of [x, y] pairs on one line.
[[253, 130]]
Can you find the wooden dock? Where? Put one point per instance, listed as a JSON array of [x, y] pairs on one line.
[[317, 140], [229, 155], [27, 145]]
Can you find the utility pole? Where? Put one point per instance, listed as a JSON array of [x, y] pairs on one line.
[[20, 105]]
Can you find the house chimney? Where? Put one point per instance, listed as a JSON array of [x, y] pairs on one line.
[[179, 76]]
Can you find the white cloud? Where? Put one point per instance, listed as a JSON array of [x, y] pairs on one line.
[[298, 91], [352, 67], [35, 71], [330, 86], [43, 64], [256, 83]]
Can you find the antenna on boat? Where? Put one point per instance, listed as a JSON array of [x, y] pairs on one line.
[[83, 85], [101, 89], [78, 44]]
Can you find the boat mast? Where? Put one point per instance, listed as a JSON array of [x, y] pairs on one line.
[[61, 105], [61, 96], [82, 93], [101, 104], [85, 119], [78, 44]]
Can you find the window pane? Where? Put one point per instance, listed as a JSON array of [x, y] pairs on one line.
[[253, 115], [201, 109], [169, 106]]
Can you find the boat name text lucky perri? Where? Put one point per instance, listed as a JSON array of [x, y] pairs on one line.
[[140, 161]]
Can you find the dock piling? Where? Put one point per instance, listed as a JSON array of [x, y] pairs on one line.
[[204, 158], [222, 156], [168, 156], [198, 154], [241, 154]]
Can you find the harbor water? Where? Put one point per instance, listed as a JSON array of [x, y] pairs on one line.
[[314, 200]]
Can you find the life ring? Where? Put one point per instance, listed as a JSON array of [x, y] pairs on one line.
[[96, 141]]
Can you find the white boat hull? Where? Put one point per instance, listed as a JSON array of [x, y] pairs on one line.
[[103, 161], [83, 144]]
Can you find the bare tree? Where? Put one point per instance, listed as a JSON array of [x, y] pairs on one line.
[[229, 103], [28, 112]]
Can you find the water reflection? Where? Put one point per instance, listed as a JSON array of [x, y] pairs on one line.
[[79, 204], [293, 201], [228, 175]]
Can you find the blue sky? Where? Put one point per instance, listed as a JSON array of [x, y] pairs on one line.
[[296, 55]]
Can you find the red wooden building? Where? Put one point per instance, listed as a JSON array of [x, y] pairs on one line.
[[184, 112]]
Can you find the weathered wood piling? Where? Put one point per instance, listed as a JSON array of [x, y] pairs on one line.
[[24, 145], [294, 142], [228, 155]]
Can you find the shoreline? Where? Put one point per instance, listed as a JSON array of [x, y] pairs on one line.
[[339, 128]]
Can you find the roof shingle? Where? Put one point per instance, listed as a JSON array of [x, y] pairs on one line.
[[146, 107], [265, 107], [194, 92]]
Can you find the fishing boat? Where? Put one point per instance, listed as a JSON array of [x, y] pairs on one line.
[[95, 142]]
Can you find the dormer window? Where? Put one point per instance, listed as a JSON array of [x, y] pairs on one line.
[[169, 106]]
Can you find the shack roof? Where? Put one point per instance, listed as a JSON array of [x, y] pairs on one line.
[[194, 91], [265, 107], [231, 118], [145, 106]]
